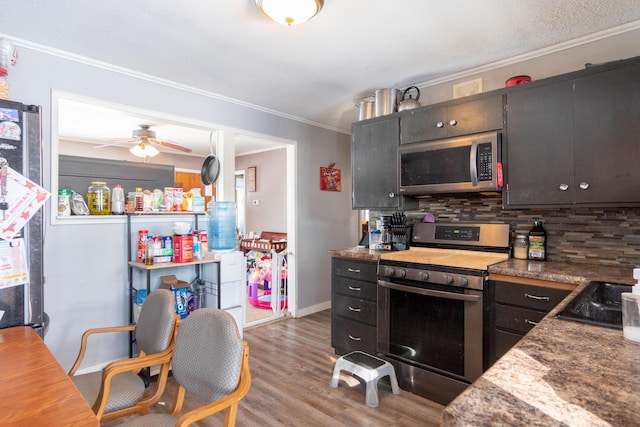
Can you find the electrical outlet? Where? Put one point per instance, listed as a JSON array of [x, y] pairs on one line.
[[256, 202]]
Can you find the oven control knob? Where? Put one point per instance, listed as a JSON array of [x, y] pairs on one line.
[[400, 273], [386, 271], [448, 279], [464, 281], [424, 276]]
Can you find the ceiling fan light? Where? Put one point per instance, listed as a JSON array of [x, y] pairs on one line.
[[290, 12], [144, 150]]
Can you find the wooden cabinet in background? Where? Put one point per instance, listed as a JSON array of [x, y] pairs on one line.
[[189, 180]]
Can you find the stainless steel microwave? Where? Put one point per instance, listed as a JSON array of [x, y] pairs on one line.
[[465, 164]]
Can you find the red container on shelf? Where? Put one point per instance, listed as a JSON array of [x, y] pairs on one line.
[[183, 248], [142, 244]]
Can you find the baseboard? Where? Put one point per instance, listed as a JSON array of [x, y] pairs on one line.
[[313, 309]]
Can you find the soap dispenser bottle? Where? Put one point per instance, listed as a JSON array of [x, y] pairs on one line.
[[631, 310]]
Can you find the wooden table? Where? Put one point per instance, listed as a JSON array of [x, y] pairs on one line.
[[34, 389]]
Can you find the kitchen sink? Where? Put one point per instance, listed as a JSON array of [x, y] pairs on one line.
[[597, 304]]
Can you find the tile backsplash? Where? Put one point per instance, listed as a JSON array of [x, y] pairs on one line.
[[607, 236]]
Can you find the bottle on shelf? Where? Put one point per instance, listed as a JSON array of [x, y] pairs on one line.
[[537, 242], [148, 259], [117, 200], [139, 200], [197, 246]]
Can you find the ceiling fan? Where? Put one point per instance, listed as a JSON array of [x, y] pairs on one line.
[[146, 139]]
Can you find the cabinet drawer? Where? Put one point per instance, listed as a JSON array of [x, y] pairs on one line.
[[504, 342], [354, 308], [517, 319], [360, 270], [535, 297], [354, 288], [349, 336]]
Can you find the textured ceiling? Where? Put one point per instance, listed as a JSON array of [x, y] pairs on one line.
[[313, 71]]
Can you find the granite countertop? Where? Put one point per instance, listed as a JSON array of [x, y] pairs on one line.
[[562, 372], [364, 254]]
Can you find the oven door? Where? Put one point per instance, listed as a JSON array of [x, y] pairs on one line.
[[433, 327]]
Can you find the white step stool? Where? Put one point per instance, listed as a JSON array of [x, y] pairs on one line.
[[370, 369]]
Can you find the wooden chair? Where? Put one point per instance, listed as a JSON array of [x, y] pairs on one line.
[[118, 390], [211, 362]]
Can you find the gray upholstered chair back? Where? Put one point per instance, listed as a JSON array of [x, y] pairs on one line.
[[155, 323], [208, 354]]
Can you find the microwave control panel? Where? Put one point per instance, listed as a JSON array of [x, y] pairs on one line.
[[485, 162]]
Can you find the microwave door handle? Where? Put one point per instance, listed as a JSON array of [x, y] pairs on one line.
[[473, 163]]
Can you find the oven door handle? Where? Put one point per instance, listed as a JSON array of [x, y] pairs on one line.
[[430, 292]]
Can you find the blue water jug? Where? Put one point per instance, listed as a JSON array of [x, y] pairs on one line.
[[222, 226]]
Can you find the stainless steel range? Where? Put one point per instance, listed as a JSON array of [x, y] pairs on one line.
[[431, 316]]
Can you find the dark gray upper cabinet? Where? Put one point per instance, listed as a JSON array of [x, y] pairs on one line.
[[573, 140], [540, 145], [453, 118], [374, 163], [607, 136]]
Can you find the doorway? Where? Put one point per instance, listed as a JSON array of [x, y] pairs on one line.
[[263, 221]]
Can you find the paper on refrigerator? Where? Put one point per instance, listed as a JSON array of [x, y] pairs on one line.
[[24, 198], [14, 270]]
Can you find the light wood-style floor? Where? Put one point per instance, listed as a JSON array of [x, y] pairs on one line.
[[291, 362]]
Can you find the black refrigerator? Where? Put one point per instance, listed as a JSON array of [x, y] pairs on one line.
[[21, 147]]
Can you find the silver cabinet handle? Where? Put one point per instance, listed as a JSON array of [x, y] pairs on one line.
[[530, 322], [351, 288], [439, 125], [563, 187], [357, 310], [392, 194], [453, 122], [353, 270], [536, 298], [584, 185], [355, 338]]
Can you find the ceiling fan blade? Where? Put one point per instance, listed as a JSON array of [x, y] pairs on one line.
[[127, 139], [168, 144], [113, 143]]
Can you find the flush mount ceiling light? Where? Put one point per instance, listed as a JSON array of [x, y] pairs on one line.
[[144, 149], [290, 12]]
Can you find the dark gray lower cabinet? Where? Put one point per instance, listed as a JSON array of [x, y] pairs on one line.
[[515, 309], [353, 305]]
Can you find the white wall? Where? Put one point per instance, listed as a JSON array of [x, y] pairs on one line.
[[85, 264], [271, 191], [539, 65]]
